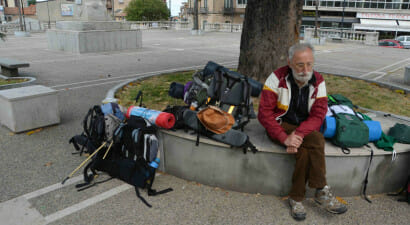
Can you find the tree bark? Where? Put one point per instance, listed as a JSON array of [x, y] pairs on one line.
[[269, 29]]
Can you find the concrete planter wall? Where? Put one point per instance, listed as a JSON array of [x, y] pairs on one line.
[[30, 81], [215, 164]]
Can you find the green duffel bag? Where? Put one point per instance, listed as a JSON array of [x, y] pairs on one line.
[[351, 132]]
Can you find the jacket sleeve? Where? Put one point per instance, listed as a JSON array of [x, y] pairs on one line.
[[267, 105], [317, 113]]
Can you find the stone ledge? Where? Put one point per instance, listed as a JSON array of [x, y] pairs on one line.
[[269, 171]]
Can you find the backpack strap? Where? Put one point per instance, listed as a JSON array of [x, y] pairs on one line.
[[153, 192], [248, 145], [367, 175], [137, 192], [139, 97]]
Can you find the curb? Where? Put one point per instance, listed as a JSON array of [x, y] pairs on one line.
[[30, 81], [383, 84]]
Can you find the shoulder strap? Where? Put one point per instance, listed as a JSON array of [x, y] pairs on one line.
[[367, 175], [139, 97]]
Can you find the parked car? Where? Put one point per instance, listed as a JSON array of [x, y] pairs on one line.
[[405, 40], [390, 43]]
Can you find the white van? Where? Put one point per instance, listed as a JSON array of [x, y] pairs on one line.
[[405, 40]]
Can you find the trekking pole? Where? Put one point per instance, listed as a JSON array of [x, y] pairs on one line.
[[85, 161], [109, 147]]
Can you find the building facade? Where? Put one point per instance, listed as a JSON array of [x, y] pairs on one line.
[[385, 16], [217, 11], [9, 10], [388, 17]]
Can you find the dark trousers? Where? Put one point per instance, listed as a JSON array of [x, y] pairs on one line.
[[310, 164]]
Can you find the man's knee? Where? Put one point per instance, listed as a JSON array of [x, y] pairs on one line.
[[314, 140]]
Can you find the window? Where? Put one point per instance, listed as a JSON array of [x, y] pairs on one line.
[[228, 4], [242, 2], [383, 43]]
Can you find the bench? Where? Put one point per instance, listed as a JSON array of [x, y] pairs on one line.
[[9, 67]]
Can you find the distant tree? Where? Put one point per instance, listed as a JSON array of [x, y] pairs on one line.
[[31, 2], [147, 10], [269, 29]]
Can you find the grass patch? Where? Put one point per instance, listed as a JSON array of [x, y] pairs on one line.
[[154, 89], [11, 81], [362, 93]]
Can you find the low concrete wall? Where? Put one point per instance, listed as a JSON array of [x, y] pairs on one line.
[[27, 108], [216, 164], [94, 41]]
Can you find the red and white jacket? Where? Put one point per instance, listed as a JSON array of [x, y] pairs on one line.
[[275, 100]]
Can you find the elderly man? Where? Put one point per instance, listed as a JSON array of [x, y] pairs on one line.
[[292, 108]]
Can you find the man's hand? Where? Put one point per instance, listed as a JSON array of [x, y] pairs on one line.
[[293, 140], [291, 150]]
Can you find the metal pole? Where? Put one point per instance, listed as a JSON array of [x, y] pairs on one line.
[[112, 9], [20, 17], [195, 14], [48, 13], [232, 14], [343, 18], [24, 17], [316, 17]]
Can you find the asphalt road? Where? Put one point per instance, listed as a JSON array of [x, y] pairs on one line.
[[33, 165]]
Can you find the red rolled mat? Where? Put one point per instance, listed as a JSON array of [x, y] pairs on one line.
[[161, 119], [165, 120]]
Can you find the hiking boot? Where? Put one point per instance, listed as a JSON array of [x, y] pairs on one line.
[[297, 210], [325, 198]]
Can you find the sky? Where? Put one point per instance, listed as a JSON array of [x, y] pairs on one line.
[[175, 6]]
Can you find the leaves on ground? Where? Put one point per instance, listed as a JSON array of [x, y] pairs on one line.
[[341, 200], [34, 131]]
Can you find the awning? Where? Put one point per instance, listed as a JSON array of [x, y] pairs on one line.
[[382, 25]]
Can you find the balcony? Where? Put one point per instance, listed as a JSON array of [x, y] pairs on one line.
[[190, 10], [203, 10], [228, 10]]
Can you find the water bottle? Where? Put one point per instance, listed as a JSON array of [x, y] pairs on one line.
[[155, 163]]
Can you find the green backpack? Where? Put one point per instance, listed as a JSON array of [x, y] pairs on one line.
[[351, 131]]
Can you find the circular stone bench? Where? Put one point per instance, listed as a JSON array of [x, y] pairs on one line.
[[269, 171]]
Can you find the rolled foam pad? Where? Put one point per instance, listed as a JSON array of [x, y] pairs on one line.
[[161, 119], [375, 129], [329, 127]]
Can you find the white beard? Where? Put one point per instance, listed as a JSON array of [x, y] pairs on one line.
[[302, 77]]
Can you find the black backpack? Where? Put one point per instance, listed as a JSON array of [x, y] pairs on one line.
[[133, 157], [93, 134], [229, 90], [178, 112]]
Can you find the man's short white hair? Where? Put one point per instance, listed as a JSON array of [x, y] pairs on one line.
[[299, 47]]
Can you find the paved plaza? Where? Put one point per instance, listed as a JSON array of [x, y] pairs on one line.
[[32, 166]]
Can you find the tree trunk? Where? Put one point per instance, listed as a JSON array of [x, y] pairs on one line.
[[269, 29]]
